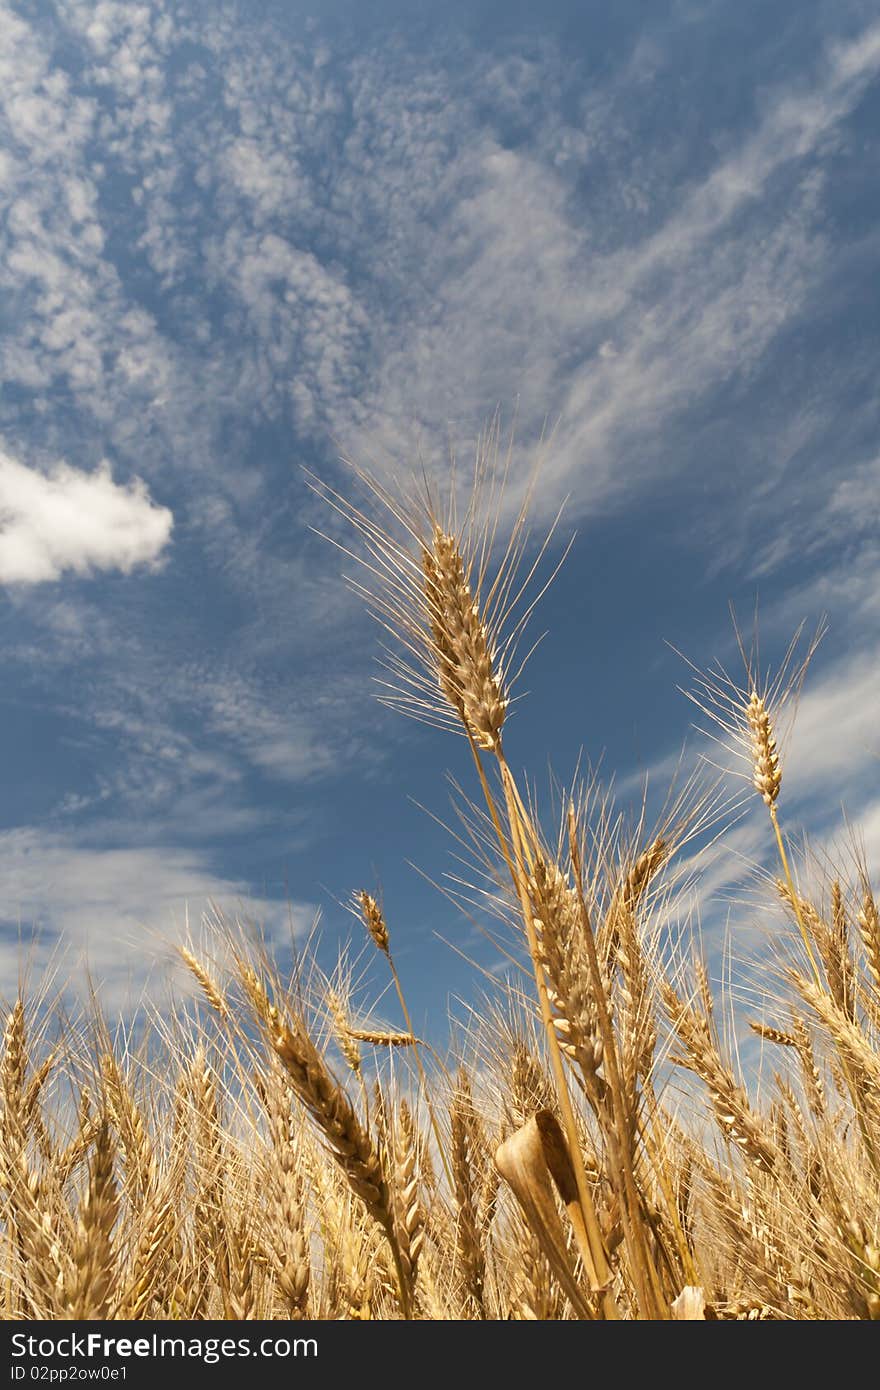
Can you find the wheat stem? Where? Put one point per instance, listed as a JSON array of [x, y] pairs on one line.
[[795, 897]]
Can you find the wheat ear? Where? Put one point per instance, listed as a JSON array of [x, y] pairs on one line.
[[732, 1110], [471, 1258], [407, 1166], [467, 667], [88, 1292], [332, 1111], [374, 920], [286, 1233]]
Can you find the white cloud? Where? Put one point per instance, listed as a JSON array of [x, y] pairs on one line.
[[855, 501], [70, 520], [297, 733], [498, 280], [116, 912], [395, 267], [836, 735], [309, 331]]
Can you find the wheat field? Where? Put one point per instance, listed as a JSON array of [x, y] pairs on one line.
[[593, 1150]]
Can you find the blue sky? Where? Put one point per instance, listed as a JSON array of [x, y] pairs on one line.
[[238, 240]]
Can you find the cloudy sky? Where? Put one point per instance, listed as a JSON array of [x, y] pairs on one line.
[[239, 240]]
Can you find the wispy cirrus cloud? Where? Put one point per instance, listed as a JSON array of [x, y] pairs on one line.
[[117, 912], [621, 343]]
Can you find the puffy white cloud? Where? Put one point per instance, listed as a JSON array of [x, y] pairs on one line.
[[72, 520]]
